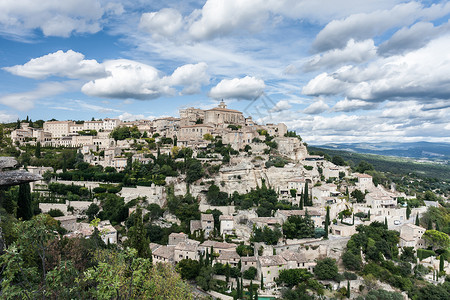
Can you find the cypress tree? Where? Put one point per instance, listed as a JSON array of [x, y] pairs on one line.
[[327, 222], [301, 200], [430, 224], [441, 263], [37, 151], [250, 289], [206, 258], [408, 212], [24, 202], [348, 289], [262, 281], [238, 288], [242, 287], [417, 220], [256, 294], [306, 195], [368, 215], [437, 227], [137, 237], [211, 258], [385, 222]]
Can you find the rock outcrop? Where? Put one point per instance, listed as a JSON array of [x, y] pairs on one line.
[[14, 177]]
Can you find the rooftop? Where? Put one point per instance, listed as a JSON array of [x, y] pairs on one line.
[[272, 260]]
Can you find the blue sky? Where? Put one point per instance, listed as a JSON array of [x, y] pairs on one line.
[[334, 71]]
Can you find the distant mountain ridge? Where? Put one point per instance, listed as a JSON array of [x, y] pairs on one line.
[[416, 150]]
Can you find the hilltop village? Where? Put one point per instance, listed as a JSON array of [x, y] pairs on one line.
[[215, 188]]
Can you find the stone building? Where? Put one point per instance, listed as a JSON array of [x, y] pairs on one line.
[[222, 115], [411, 236]]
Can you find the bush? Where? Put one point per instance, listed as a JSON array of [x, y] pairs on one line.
[[55, 213], [350, 275], [250, 273], [424, 253]]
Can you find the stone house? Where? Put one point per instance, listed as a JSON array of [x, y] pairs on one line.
[[186, 250], [175, 238], [69, 223], [269, 267], [226, 224], [411, 236], [207, 221], [228, 257], [163, 254]]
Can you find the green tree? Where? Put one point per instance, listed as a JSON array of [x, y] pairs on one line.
[[250, 273], [436, 239], [358, 195], [292, 277], [188, 268], [408, 212], [326, 269], [441, 263], [92, 211], [327, 222], [297, 227], [24, 210], [37, 151], [338, 161], [417, 223], [137, 238], [348, 289], [306, 196]]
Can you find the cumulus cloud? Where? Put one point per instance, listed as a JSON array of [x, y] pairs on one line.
[[25, 101], [347, 105], [362, 26], [396, 77], [54, 17], [410, 38], [131, 79], [127, 79], [354, 52], [223, 17], [130, 117], [317, 107], [239, 88], [69, 64], [281, 106], [165, 22], [191, 76], [219, 17]]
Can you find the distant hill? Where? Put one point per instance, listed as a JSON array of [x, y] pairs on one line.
[[390, 163], [437, 152]]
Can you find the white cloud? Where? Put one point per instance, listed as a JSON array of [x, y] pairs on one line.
[[93, 107], [363, 26], [219, 17], [354, 52], [165, 22], [69, 64], [7, 118], [281, 105], [422, 74], [191, 76], [410, 38], [239, 88], [127, 79], [131, 79], [54, 17], [25, 101], [317, 107], [130, 117], [347, 105]]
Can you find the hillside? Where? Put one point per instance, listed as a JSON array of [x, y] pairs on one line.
[[392, 164]]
